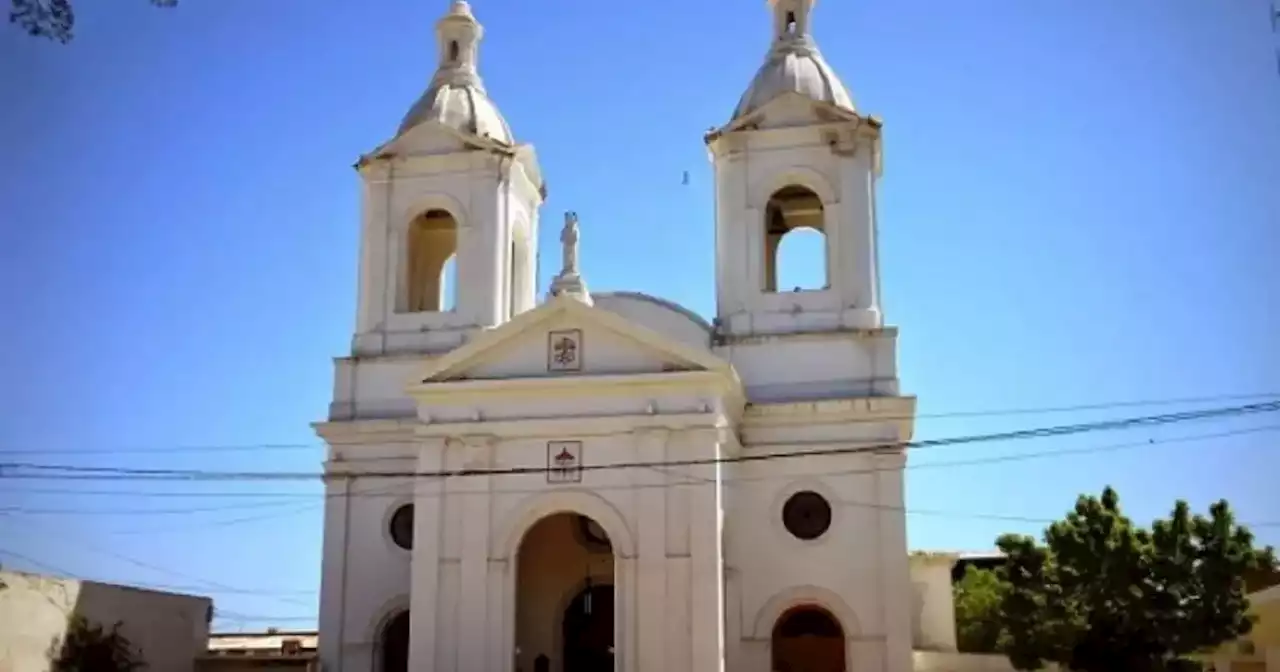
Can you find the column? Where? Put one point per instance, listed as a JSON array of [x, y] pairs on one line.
[[424, 600], [679, 615], [651, 551]]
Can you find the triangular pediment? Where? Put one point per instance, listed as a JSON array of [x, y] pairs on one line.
[[564, 337], [433, 138], [788, 110]]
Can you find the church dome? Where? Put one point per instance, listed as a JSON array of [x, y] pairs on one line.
[[794, 64], [456, 97], [466, 108]]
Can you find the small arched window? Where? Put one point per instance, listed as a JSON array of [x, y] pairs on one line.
[[453, 51], [791, 23], [795, 241]]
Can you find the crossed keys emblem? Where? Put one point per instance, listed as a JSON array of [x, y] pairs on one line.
[[565, 351]]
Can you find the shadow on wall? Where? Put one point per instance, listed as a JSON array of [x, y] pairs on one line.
[[90, 646]]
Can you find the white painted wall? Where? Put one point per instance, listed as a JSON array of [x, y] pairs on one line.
[[836, 160], [493, 198], [168, 630], [704, 566], [933, 613]]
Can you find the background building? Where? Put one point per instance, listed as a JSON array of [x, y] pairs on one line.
[[168, 630]]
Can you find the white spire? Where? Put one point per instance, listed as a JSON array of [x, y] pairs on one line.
[[793, 63], [456, 95]]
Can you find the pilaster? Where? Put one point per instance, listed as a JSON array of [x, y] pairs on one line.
[[706, 551], [425, 582], [651, 575], [473, 498], [895, 570]]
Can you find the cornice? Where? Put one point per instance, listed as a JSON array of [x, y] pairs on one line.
[[353, 432], [576, 426], [462, 392]]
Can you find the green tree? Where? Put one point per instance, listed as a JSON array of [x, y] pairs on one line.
[[1103, 595], [89, 647], [53, 19], [978, 597]]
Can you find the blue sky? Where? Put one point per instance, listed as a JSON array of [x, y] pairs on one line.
[[1081, 204]]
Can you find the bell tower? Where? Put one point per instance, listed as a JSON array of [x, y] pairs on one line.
[[450, 212], [794, 157]]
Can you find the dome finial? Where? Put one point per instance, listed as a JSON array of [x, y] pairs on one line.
[[793, 63], [791, 19], [458, 38], [456, 96]]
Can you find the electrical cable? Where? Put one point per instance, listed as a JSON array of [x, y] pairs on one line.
[[73, 472], [1043, 410], [999, 459]]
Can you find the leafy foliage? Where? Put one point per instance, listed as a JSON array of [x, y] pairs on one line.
[[52, 19], [978, 596], [91, 648], [1104, 595]]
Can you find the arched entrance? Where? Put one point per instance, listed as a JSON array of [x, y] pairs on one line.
[[565, 596], [393, 644], [808, 639]]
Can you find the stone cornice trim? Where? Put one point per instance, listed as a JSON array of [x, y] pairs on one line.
[[354, 432], [576, 426], [463, 392]]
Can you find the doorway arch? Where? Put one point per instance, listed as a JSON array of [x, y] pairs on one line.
[[393, 644], [565, 573], [807, 638]]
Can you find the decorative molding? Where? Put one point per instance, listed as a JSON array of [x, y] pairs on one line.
[[578, 425], [798, 596], [479, 391], [343, 433], [488, 343], [564, 461], [565, 350], [508, 533], [854, 333]]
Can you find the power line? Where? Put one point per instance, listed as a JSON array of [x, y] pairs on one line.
[[43, 566], [210, 586], [694, 479], [73, 472], [945, 415], [143, 512], [396, 492]]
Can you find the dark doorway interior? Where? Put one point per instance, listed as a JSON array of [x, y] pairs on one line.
[[394, 651], [808, 639], [588, 631]]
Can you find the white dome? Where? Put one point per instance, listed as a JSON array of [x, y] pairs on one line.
[[465, 107], [794, 64], [794, 70], [456, 97]]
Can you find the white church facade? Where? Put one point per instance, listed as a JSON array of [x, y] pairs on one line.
[[607, 481]]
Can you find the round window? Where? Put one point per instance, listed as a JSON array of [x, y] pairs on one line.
[[807, 515], [401, 527]]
